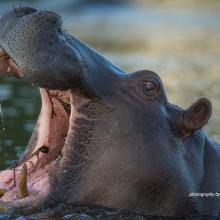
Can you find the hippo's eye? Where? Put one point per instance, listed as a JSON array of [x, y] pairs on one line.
[[151, 87]]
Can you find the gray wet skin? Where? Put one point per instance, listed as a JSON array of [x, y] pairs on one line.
[[130, 148]]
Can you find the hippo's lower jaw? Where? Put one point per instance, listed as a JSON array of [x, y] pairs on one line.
[[41, 157]]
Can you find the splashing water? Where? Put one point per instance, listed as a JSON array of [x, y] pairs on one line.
[[1, 115]]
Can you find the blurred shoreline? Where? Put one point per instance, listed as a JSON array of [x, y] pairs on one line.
[[66, 6]]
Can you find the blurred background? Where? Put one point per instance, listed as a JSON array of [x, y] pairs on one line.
[[180, 40]]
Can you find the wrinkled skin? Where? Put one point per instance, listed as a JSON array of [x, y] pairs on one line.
[[113, 138]]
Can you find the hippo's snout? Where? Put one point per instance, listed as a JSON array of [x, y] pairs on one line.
[[34, 41], [49, 57]]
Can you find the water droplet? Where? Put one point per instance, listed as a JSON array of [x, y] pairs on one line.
[[1, 115]]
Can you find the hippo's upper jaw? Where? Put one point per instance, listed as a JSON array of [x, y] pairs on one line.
[[38, 48], [110, 138], [21, 37], [50, 58]]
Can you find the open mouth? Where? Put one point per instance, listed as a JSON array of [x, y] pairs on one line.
[[30, 175]]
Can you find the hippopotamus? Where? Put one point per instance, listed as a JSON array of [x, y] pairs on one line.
[[104, 136]]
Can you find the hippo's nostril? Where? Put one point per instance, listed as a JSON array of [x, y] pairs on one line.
[[21, 12]]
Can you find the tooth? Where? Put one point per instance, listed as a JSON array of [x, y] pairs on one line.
[[22, 183], [14, 68], [8, 69], [2, 192]]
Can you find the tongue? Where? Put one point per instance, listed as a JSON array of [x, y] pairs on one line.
[[7, 65]]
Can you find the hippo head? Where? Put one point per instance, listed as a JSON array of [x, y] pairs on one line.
[[103, 136]]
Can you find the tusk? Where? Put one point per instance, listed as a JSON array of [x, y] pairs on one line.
[[14, 68], [22, 183], [8, 69], [2, 192]]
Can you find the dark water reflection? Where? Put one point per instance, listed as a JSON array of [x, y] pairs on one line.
[[181, 44], [20, 108]]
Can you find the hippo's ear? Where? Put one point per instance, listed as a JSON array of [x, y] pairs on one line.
[[195, 117]]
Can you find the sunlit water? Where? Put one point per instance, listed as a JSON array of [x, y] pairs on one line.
[[181, 45]]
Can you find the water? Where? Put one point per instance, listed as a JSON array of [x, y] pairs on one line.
[[180, 43], [21, 108]]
